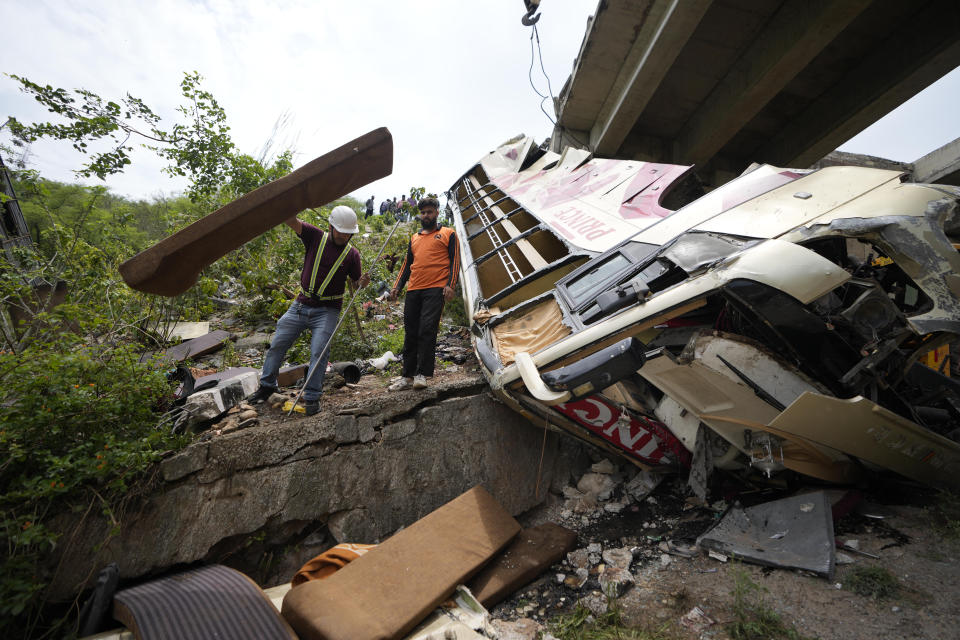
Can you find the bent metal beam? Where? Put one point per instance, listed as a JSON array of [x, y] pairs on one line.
[[172, 265]]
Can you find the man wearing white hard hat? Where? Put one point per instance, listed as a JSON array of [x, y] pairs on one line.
[[327, 262]]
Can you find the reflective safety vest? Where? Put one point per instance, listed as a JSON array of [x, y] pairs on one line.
[[314, 291]]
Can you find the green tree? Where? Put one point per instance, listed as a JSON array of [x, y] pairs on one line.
[[198, 146]]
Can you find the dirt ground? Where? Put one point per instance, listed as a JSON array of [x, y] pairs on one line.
[[926, 565]]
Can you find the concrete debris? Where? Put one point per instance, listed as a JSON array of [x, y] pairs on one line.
[[598, 485], [604, 466], [696, 620], [276, 400], [620, 558], [208, 404], [642, 484], [596, 603], [679, 549], [843, 558], [716, 555], [522, 629], [257, 340], [615, 581], [579, 558]]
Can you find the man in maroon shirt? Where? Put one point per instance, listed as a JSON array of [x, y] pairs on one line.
[[327, 262]]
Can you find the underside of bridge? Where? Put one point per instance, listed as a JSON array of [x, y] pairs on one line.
[[725, 83]]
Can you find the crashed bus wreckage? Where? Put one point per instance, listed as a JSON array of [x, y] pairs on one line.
[[784, 320]]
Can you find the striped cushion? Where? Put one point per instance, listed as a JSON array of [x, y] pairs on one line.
[[210, 602]]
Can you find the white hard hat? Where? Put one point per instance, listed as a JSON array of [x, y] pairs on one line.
[[344, 219]]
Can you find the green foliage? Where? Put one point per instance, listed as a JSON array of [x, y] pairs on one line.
[[872, 582], [78, 410], [89, 119], [198, 147], [581, 624], [78, 430], [454, 310], [753, 617]]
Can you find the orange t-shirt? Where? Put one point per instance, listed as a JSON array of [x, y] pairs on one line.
[[432, 260]]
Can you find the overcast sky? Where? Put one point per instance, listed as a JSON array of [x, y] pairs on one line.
[[448, 78]]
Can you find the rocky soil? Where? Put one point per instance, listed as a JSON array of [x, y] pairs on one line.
[[644, 548]]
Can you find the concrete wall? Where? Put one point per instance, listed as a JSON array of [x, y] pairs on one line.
[[304, 485]]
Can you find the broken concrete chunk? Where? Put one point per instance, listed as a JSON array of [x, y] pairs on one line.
[[346, 429], [596, 603], [189, 460], [604, 466], [398, 430], [579, 559], [696, 620], [208, 404], [615, 581], [365, 429], [642, 484], [522, 629], [598, 485], [620, 558]]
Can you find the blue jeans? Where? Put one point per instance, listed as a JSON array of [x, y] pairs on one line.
[[321, 321]]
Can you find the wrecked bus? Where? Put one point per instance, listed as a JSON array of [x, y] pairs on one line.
[[781, 321]]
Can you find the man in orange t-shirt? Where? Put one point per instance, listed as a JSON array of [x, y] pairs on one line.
[[431, 265]]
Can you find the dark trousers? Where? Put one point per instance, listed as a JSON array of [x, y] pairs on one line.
[[421, 319]]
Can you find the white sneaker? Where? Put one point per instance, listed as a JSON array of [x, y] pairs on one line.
[[419, 382], [401, 384]]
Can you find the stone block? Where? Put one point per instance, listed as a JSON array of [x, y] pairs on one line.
[[346, 429], [209, 403], [398, 430], [191, 459], [365, 429]]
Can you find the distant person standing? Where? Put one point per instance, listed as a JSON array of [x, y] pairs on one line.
[[432, 265], [385, 206], [369, 211]]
